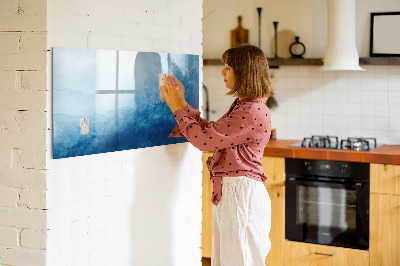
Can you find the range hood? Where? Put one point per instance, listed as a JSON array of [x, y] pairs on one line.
[[341, 51]]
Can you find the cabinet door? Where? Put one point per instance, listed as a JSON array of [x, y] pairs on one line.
[[384, 230], [206, 225], [385, 178], [277, 233], [304, 254], [274, 168]]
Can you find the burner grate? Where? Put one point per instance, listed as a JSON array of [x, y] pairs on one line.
[[327, 142], [358, 144]]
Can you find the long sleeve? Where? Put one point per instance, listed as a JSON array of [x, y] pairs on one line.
[[232, 130], [238, 140], [193, 113]]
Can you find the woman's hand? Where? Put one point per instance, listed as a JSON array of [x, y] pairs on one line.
[[181, 92], [174, 97]]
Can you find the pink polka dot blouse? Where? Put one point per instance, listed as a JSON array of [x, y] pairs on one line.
[[238, 139]]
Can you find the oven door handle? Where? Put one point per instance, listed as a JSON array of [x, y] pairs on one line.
[[357, 185]]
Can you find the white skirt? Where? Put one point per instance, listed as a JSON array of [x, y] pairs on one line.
[[241, 223]]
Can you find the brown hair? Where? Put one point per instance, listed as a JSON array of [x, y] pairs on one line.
[[250, 66]]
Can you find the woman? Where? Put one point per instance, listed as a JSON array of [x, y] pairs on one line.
[[242, 208]]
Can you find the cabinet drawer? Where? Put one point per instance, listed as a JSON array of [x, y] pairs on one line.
[[304, 254]]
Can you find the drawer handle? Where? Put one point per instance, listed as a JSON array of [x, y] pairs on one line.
[[324, 254]]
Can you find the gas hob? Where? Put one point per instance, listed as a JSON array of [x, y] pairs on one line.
[[332, 142]]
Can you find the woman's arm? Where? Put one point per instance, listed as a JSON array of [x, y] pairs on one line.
[[174, 93]]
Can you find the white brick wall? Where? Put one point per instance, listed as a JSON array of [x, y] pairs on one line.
[[136, 207], [23, 128]]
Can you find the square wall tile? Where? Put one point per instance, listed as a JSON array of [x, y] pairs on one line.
[[381, 97], [382, 136], [381, 110], [394, 137], [394, 97], [367, 96]]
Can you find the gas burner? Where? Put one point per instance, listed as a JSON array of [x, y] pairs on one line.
[[358, 144], [327, 142], [332, 142]]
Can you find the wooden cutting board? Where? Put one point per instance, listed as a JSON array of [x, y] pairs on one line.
[[239, 35]]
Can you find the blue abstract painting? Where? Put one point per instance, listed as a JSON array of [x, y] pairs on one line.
[[109, 100]]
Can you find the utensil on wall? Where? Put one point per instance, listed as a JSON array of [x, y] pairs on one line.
[[259, 9], [239, 35], [276, 38], [297, 49]]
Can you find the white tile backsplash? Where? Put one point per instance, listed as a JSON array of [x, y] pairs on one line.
[[343, 103]]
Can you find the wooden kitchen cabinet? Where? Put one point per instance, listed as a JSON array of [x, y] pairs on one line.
[[385, 178], [385, 215], [206, 225], [305, 254], [277, 233], [274, 168]]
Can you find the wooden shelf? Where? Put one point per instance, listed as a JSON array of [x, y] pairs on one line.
[[380, 61], [274, 63]]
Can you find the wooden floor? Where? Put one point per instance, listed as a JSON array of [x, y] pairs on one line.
[[206, 261]]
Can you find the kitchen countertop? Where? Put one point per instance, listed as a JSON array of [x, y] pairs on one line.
[[389, 154]]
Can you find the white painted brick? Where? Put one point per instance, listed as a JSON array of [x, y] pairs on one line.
[[179, 34], [191, 22], [12, 21], [16, 158], [5, 158], [34, 140], [154, 32], [33, 199], [8, 197], [9, 237], [136, 17], [80, 228], [114, 186], [105, 10], [8, 6], [33, 159], [164, 46], [149, 6], [36, 7], [135, 43], [9, 42], [17, 256], [31, 55], [23, 100], [33, 239], [197, 38], [22, 218], [179, 7], [168, 19], [23, 178], [98, 222], [13, 119], [7, 80], [31, 80], [191, 48], [107, 41]]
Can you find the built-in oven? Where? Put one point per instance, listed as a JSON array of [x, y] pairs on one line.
[[327, 202]]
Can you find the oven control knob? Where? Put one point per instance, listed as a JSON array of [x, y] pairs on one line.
[[343, 168], [308, 166]]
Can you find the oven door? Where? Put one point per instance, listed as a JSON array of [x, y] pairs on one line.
[[327, 213]]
